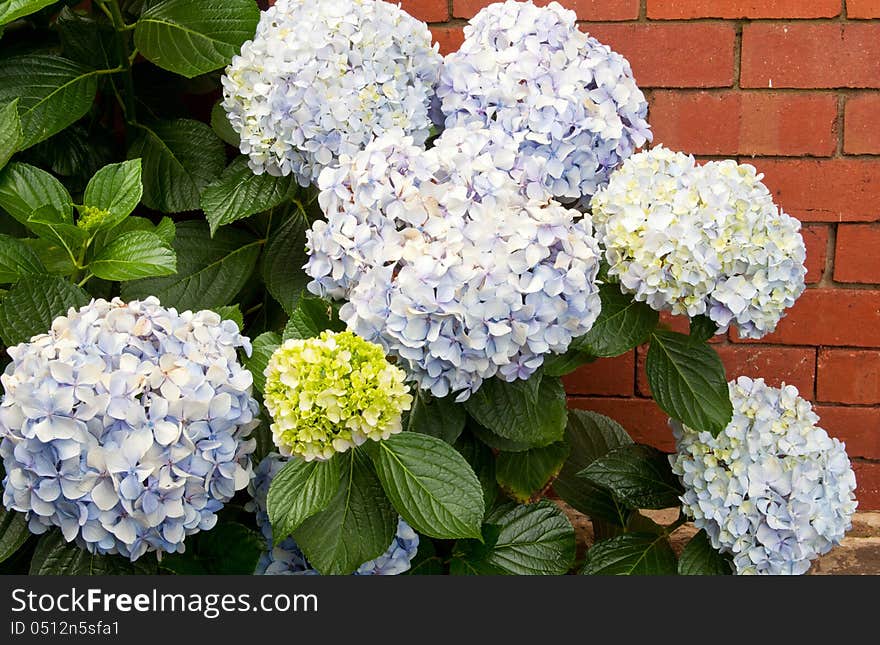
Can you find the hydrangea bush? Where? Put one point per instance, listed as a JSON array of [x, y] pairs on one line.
[[319, 323]]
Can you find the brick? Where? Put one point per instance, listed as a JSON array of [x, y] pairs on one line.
[[816, 240], [605, 377], [674, 54], [811, 55], [585, 9], [681, 324], [867, 485], [641, 418], [858, 427], [856, 253], [835, 317], [683, 10], [776, 365], [848, 376], [427, 10], [863, 8], [745, 123], [824, 190], [450, 38], [860, 132]]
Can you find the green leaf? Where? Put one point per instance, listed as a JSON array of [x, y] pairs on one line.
[[562, 364], [639, 476], [10, 131], [134, 255], [632, 554], [221, 126], [13, 532], [87, 38], [536, 539], [210, 271], [283, 261], [49, 223], [25, 189], [524, 476], [623, 324], [192, 37], [700, 559], [165, 230], [238, 193], [229, 548], [55, 557], [264, 346], [17, 260], [702, 328], [471, 557], [33, 303], [357, 525], [298, 491], [441, 418], [311, 317], [494, 441], [14, 9], [426, 561], [590, 436], [53, 92], [74, 154], [527, 411], [482, 462], [179, 158], [233, 313], [116, 189], [53, 256], [687, 380], [431, 485]]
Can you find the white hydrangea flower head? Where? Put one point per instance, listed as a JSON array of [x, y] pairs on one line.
[[321, 79], [773, 489], [567, 98], [126, 425], [451, 262], [701, 239]]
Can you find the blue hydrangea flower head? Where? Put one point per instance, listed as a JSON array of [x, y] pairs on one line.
[[565, 97], [773, 489], [321, 79], [701, 239], [126, 425], [286, 558]]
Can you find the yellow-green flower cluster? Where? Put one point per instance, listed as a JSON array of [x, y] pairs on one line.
[[330, 393]]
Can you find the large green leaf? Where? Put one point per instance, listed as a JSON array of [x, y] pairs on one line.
[[229, 548], [357, 525], [13, 531], [687, 380], [430, 484], [55, 557], [623, 324], [221, 126], [210, 271], [52, 93], [14, 9], [134, 255], [10, 131], [482, 462], [116, 189], [192, 37], [88, 38], [632, 554], [179, 158], [700, 559], [238, 193], [49, 223], [536, 539], [530, 411], [17, 260], [298, 491], [590, 436], [702, 328], [441, 418], [25, 189], [524, 476], [264, 346], [639, 476], [33, 303], [283, 261], [310, 318], [562, 364]]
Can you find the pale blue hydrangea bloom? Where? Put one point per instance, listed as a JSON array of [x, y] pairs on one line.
[[773, 489], [125, 425], [450, 261], [701, 239], [285, 558], [568, 99], [321, 79]]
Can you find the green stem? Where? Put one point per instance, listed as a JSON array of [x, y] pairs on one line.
[[88, 277], [111, 8]]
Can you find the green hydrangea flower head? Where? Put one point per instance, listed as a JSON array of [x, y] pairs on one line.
[[330, 393]]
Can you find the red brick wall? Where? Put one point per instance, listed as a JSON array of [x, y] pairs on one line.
[[792, 86]]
